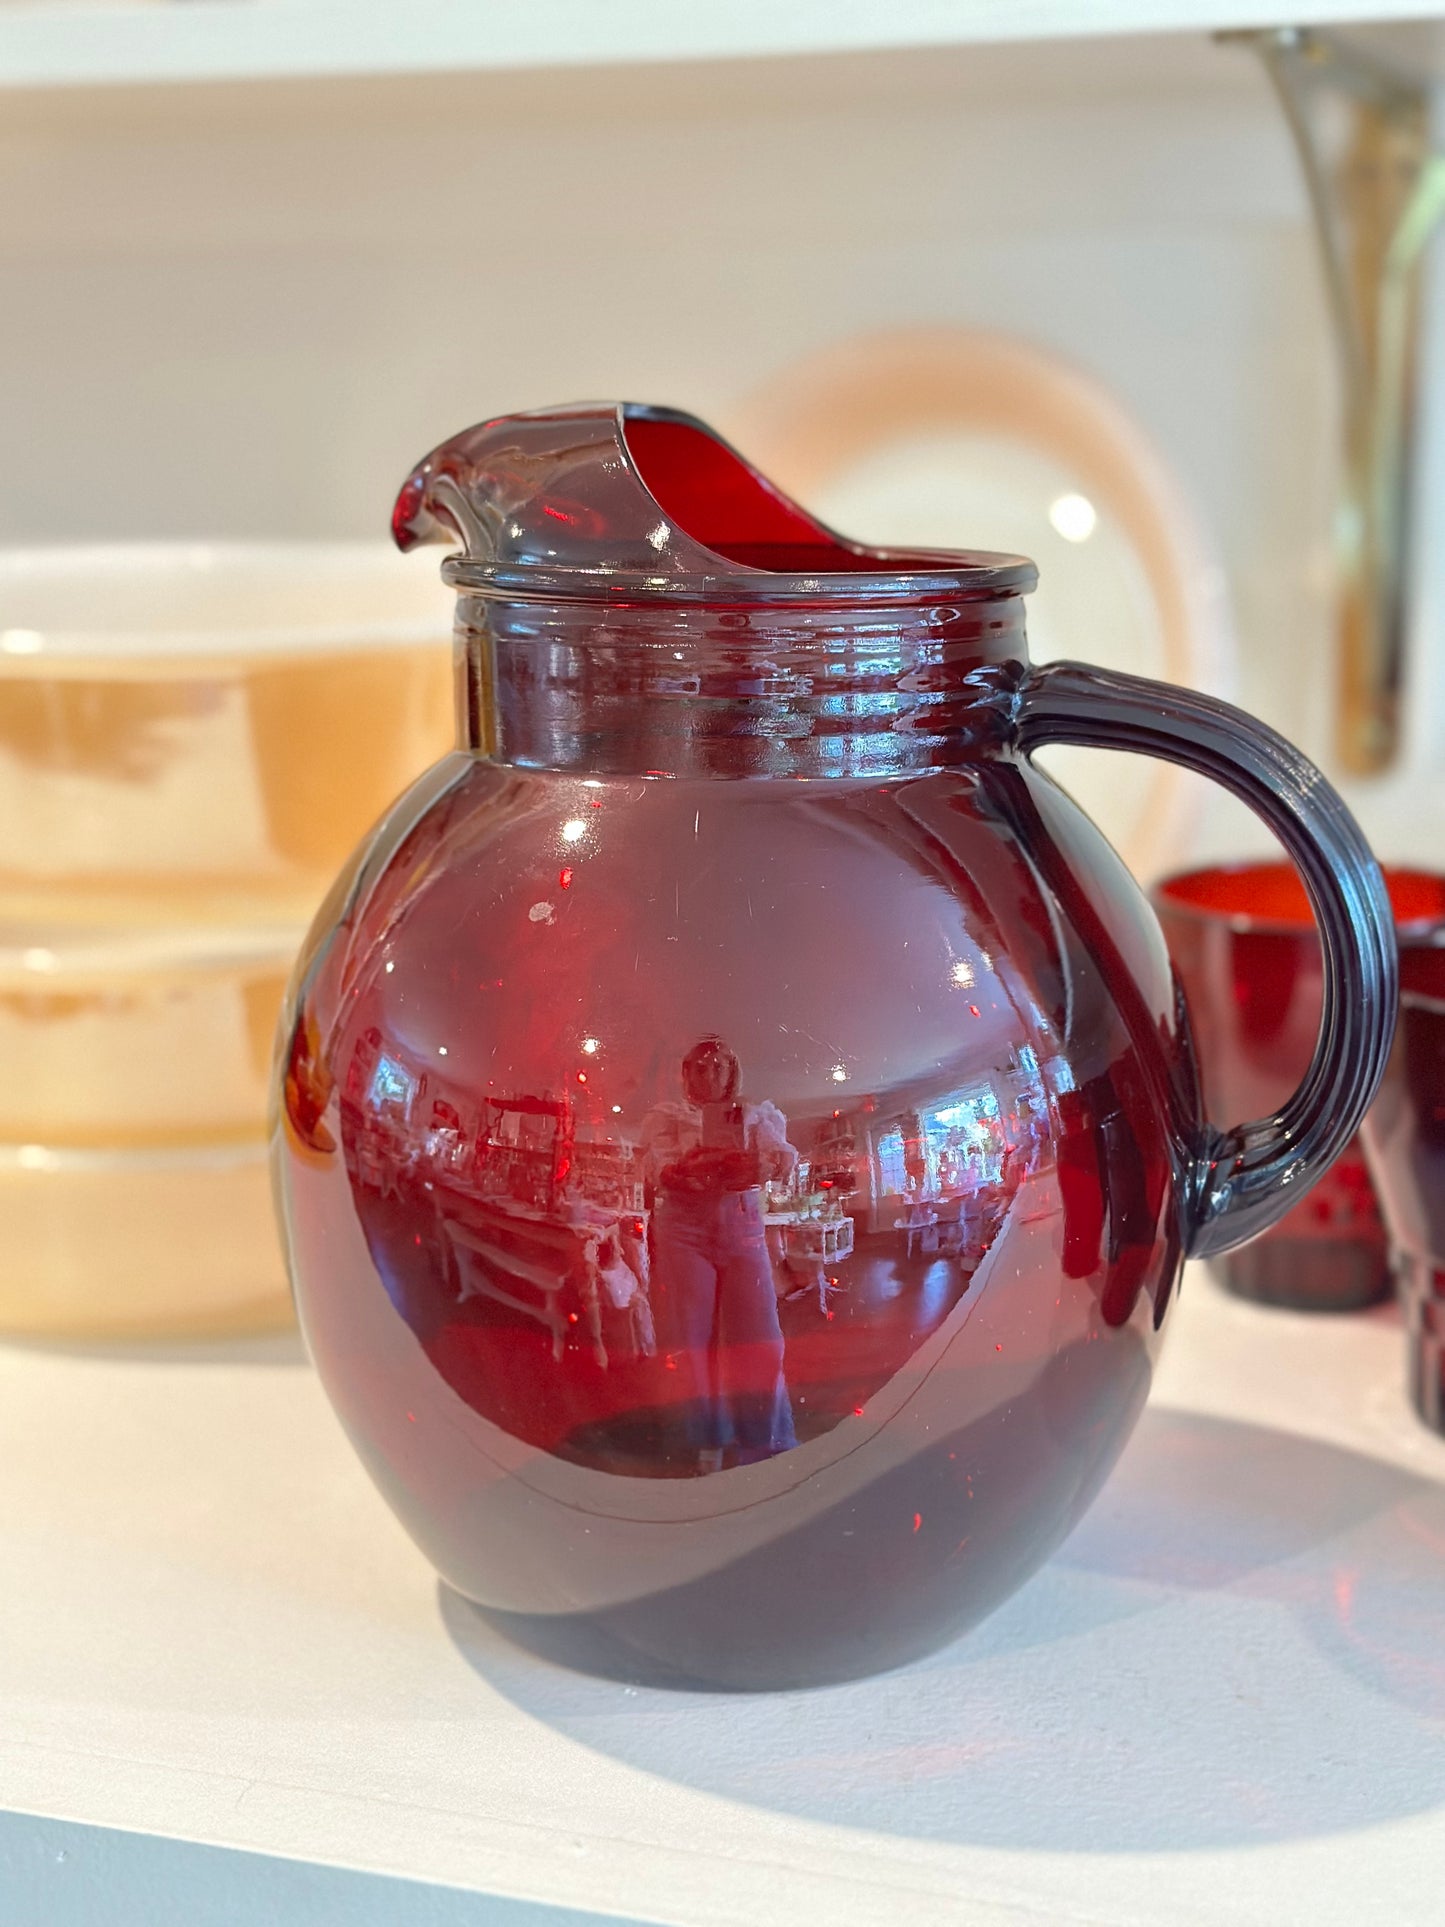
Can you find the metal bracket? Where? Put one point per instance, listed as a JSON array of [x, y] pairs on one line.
[[1376, 189]]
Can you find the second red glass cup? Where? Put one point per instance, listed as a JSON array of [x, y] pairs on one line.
[[1404, 1136], [1244, 945]]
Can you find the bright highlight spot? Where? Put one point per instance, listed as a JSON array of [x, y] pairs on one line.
[[591, 1045], [840, 1076], [1074, 516], [21, 642], [963, 973], [573, 830], [389, 968], [441, 1050]]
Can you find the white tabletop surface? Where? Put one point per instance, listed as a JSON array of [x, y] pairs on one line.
[[1223, 1701]]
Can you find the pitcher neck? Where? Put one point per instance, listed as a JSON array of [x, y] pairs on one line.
[[678, 689]]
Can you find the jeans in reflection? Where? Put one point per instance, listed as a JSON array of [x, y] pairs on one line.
[[718, 1321]]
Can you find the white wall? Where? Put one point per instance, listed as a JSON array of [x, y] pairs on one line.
[[246, 310]]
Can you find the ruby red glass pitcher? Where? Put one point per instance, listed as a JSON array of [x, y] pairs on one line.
[[738, 1134]]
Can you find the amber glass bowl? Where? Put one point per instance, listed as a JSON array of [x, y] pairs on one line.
[[191, 738]]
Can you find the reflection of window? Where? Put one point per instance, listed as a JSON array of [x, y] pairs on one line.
[[892, 1171], [958, 1145], [962, 1141], [391, 1083]]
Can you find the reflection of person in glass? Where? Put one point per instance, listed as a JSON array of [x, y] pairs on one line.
[[714, 1296]]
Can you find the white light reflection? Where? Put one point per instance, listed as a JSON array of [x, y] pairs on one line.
[[574, 830], [1074, 516]]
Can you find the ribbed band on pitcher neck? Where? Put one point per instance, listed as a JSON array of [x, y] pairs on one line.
[[678, 689]]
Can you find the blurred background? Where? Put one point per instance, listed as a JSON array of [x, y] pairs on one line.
[[242, 309], [1064, 297], [245, 309]]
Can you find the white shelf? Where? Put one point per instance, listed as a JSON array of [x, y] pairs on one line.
[[136, 41], [1222, 1702]]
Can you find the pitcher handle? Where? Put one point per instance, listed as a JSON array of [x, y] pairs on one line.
[[1242, 1180]]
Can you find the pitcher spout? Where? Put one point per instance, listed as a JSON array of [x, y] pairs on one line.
[[620, 498], [607, 487]]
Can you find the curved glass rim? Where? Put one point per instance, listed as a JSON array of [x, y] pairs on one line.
[[962, 576], [30, 1163], [1427, 928], [199, 565]]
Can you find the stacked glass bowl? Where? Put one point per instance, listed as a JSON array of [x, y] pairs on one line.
[[192, 740]]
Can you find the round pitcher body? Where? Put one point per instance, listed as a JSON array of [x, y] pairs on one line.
[[734, 1220], [736, 1136]]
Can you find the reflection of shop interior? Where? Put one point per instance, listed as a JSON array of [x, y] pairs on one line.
[[859, 1168], [534, 1290], [544, 1208], [531, 1217]]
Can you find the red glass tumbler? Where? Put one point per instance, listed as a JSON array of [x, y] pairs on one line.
[[1244, 943], [1404, 1139]]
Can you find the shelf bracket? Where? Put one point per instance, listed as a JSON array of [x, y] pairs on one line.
[[1376, 190]]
